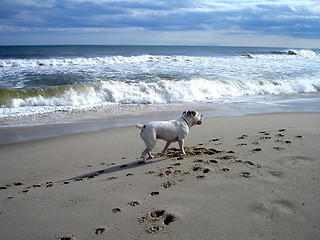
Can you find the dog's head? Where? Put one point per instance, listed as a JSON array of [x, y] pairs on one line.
[[193, 117]]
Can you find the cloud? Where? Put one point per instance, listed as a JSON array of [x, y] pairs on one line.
[[292, 18]]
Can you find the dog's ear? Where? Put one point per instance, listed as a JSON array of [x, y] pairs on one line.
[[191, 113]]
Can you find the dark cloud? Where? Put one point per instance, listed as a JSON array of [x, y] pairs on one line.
[[300, 18]]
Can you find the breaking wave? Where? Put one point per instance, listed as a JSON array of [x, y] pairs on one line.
[[163, 91], [299, 53]]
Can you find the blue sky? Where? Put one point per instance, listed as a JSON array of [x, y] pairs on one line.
[[282, 23]]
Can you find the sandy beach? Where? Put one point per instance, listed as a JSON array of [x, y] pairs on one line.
[[249, 177]]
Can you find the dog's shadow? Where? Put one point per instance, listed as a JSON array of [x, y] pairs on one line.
[[113, 169]]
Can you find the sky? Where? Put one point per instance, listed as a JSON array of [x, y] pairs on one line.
[[265, 23]]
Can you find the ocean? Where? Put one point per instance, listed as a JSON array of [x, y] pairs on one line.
[[41, 85]]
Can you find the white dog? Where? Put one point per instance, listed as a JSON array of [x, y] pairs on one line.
[[170, 131]]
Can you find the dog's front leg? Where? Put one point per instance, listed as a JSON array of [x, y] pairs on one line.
[[165, 148], [181, 145]]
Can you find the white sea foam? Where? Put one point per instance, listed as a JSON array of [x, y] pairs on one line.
[[79, 61], [112, 60], [163, 91]]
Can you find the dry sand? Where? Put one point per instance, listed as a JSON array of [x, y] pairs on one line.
[[252, 177]]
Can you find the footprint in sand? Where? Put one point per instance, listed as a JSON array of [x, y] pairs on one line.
[[169, 219], [115, 210], [154, 229], [196, 168], [256, 150], [157, 221], [99, 231], [112, 178], [201, 176], [18, 183], [214, 140], [279, 148], [49, 184], [168, 184], [265, 137], [241, 144], [243, 136], [206, 170], [245, 174], [165, 173], [198, 161], [176, 164], [133, 203], [249, 163], [154, 193], [92, 175]]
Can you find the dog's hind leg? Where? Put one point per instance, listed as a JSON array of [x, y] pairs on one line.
[[150, 146], [165, 148]]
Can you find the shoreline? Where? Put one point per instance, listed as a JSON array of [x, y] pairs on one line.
[[243, 177], [146, 113]]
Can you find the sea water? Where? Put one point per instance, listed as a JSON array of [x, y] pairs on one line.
[[60, 84]]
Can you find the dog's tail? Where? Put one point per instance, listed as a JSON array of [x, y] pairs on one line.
[[140, 126]]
